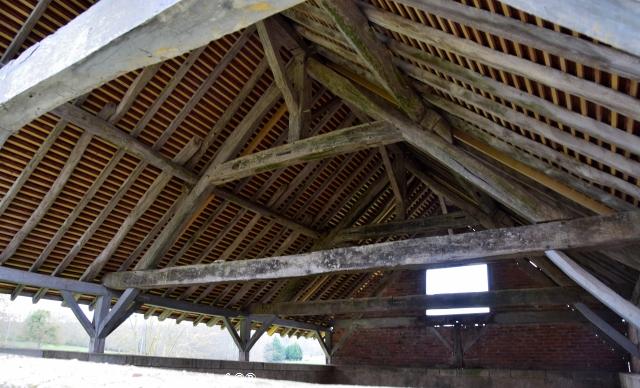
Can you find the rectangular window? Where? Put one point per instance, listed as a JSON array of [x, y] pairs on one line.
[[470, 278]]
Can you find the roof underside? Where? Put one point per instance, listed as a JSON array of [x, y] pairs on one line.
[[164, 115]]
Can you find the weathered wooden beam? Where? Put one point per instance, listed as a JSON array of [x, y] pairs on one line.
[[608, 330], [271, 36], [557, 43], [179, 305], [432, 224], [522, 120], [133, 34], [616, 22], [547, 109], [102, 128], [597, 93], [393, 160], [334, 143], [585, 233], [494, 299], [24, 31], [355, 27], [512, 195], [595, 287], [16, 276], [80, 316]]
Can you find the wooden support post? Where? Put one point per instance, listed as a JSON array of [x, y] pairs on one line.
[[97, 341], [245, 336], [326, 344]]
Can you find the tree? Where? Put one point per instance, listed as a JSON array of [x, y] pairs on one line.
[[39, 328], [293, 352], [275, 352]]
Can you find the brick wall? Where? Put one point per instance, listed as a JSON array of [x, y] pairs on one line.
[[550, 346]]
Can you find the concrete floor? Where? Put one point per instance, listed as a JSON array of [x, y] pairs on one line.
[[20, 371]]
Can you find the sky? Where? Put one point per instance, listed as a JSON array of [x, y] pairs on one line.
[[470, 278]]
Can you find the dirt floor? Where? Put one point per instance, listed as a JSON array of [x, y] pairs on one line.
[[18, 371]]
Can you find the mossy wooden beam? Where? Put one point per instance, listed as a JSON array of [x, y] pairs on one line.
[[582, 233], [510, 193], [355, 27]]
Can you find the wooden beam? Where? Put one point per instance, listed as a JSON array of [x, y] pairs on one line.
[[563, 45], [509, 193], [493, 299], [597, 93], [16, 276], [619, 339], [431, 224], [616, 22], [595, 287], [133, 34], [355, 27], [547, 109], [105, 130], [80, 316], [271, 36], [524, 121], [334, 143], [393, 160], [590, 232]]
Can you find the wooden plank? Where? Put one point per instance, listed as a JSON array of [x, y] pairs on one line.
[[493, 299], [133, 34], [49, 198], [105, 130], [584, 233], [15, 276], [355, 27], [24, 31], [509, 193], [431, 224], [595, 287], [616, 22], [608, 330], [563, 45]]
